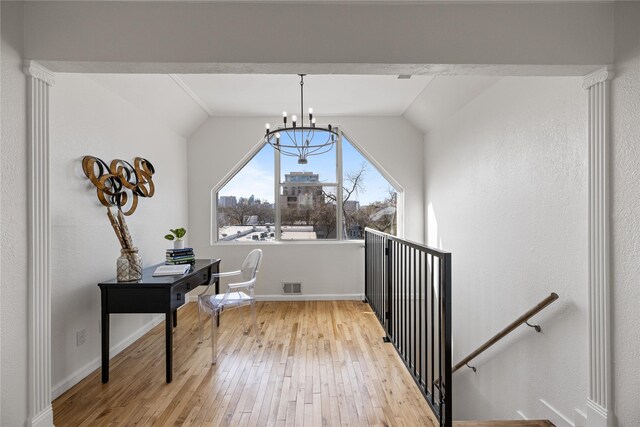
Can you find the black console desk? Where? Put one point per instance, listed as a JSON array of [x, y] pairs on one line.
[[152, 295]]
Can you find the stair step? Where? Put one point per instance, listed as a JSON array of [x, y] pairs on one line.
[[504, 423]]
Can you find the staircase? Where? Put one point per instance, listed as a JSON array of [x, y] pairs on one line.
[[504, 423], [408, 286]]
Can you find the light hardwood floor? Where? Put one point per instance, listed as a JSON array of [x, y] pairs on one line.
[[322, 363]]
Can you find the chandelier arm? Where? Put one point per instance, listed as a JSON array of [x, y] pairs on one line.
[[293, 147], [315, 152], [269, 138], [316, 147], [284, 147], [293, 141], [286, 153], [311, 146], [300, 129]]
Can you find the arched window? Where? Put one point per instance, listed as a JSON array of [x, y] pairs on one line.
[[271, 197]]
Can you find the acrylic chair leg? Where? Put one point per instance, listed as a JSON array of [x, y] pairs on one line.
[[245, 330], [214, 336], [255, 323]]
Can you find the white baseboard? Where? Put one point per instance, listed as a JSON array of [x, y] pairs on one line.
[[43, 419], [556, 417], [580, 418], [552, 414], [81, 373], [316, 297], [302, 297], [597, 416]]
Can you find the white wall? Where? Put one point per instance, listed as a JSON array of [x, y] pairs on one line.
[[324, 268], [87, 119], [207, 36], [625, 223], [506, 193], [13, 221]]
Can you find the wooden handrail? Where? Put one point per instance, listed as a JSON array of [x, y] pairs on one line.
[[506, 331]]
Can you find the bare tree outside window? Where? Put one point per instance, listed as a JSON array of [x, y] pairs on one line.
[[379, 215]]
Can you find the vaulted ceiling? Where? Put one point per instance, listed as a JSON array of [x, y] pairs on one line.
[[184, 102]]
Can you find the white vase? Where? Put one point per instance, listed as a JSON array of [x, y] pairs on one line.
[[178, 244]]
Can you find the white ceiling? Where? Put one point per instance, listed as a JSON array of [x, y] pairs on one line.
[[444, 96], [159, 96], [184, 102], [329, 95]]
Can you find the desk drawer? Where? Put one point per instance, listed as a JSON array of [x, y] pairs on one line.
[[141, 300], [199, 279], [179, 291], [178, 296]]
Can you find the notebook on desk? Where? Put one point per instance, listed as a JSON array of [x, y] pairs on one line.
[[172, 270]]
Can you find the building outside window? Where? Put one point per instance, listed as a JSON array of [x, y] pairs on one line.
[[306, 205]]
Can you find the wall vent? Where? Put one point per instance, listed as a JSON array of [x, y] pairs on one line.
[[291, 288]]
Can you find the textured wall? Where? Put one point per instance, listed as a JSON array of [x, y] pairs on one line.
[[625, 217], [13, 221], [506, 181], [87, 119], [323, 267]]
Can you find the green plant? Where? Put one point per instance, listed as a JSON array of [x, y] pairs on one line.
[[177, 233]]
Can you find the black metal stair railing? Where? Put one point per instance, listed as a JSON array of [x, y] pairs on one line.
[[408, 286]]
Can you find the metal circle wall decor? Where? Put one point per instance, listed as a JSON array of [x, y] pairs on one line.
[[120, 184]]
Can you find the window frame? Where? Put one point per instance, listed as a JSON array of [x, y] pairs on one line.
[[278, 184]]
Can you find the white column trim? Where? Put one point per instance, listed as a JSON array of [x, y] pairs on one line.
[[39, 400], [599, 403], [35, 70]]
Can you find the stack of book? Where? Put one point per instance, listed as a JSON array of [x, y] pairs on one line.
[[180, 256]]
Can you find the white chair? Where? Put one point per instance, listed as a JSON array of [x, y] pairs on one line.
[[238, 294]]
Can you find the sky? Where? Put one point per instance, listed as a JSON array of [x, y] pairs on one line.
[[256, 178]]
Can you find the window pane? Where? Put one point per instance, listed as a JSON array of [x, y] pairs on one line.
[[322, 166], [246, 211], [308, 212], [369, 200]]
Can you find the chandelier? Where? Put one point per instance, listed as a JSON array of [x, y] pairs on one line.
[[300, 140]]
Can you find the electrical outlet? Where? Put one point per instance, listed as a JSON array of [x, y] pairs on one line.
[[80, 337]]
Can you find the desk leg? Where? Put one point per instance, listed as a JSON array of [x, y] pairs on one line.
[[105, 341], [169, 344], [175, 318]]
